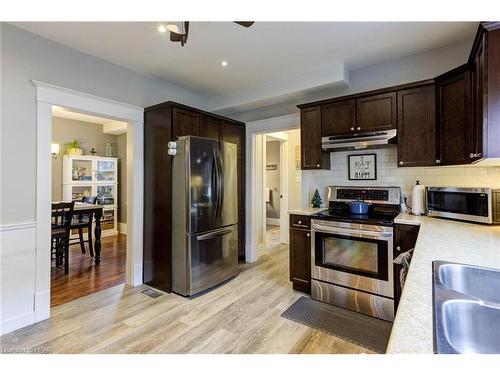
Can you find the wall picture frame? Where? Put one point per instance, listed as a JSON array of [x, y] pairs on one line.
[[362, 167]]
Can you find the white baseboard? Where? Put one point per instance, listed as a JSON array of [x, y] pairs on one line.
[[17, 322], [42, 306], [273, 221], [137, 275], [122, 228]]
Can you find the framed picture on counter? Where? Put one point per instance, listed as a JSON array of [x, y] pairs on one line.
[[362, 166]]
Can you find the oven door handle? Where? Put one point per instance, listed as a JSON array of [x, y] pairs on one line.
[[346, 232]]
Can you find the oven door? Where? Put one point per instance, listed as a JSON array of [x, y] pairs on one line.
[[353, 255]]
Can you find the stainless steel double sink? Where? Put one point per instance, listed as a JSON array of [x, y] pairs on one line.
[[466, 307]]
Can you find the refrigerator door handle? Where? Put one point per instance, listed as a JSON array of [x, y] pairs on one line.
[[213, 234], [221, 185], [217, 182]]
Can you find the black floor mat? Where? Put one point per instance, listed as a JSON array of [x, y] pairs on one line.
[[363, 330]]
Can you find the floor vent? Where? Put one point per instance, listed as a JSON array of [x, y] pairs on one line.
[[152, 293]]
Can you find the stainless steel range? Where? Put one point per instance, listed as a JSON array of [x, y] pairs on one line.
[[352, 254]]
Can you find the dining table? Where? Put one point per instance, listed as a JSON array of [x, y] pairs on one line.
[[96, 210]]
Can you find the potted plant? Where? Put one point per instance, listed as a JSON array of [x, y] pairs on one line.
[[73, 148]]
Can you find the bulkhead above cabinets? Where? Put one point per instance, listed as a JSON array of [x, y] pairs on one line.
[[448, 120]]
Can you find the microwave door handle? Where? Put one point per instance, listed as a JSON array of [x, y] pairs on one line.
[[346, 232]]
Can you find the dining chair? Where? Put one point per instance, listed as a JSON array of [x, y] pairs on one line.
[[81, 222], [60, 231]]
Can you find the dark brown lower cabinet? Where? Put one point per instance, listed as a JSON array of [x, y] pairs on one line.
[[405, 238], [300, 258]]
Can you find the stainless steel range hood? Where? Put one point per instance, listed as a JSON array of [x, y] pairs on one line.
[[357, 141]]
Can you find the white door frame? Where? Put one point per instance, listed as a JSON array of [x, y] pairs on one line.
[[48, 95], [254, 195], [281, 137]]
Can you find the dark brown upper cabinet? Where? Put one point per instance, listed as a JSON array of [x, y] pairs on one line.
[[417, 126], [479, 85], [338, 118], [455, 143], [376, 112], [312, 157], [210, 127], [185, 122], [234, 133]]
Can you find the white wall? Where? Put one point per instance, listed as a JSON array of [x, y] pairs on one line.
[[294, 173], [26, 56], [388, 174]]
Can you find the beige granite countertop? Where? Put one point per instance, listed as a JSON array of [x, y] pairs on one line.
[[306, 211], [438, 239]]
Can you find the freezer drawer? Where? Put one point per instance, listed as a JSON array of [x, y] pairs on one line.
[[211, 258]]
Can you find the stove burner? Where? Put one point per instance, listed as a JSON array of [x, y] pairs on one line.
[[377, 214]]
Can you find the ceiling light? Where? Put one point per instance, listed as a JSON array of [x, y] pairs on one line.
[[162, 29], [176, 27], [224, 63]]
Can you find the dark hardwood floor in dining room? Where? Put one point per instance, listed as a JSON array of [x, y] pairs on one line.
[[84, 276]]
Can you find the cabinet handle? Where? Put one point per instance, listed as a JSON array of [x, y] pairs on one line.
[[401, 162], [317, 165], [471, 155], [398, 248], [308, 234], [300, 221], [438, 161], [358, 128], [352, 129], [478, 155]]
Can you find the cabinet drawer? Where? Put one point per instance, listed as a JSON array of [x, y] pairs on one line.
[[300, 222]]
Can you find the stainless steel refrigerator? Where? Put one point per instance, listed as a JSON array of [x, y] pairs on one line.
[[204, 214]]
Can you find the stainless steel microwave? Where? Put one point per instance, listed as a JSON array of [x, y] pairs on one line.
[[481, 205]]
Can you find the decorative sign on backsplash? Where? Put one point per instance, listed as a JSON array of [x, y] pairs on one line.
[[272, 167], [362, 167]]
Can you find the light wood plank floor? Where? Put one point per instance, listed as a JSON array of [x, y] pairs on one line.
[[241, 316]]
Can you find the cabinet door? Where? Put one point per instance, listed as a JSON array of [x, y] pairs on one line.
[[338, 118], [234, 133], [478, 101], [417, 127], [106, 170], [376, 112], [185, 122], [300, 260], [210, 127], [405, 238], [454, 120], [310, 140]]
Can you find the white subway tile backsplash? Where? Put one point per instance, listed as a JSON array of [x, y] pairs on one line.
[[388, 174]]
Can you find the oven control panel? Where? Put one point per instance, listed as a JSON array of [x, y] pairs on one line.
[[363, 194], [383, 195]]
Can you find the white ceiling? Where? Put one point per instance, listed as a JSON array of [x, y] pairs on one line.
[[266, 52]]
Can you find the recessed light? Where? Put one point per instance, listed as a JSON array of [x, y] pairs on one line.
[[162, 29], [224, 63]]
